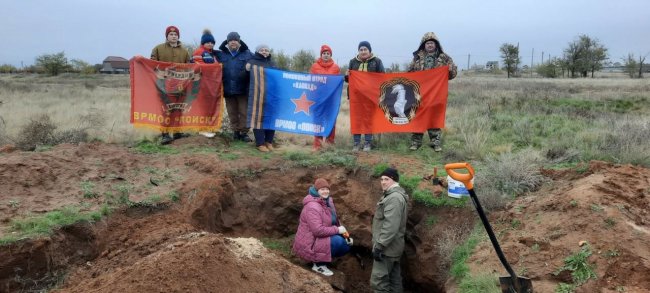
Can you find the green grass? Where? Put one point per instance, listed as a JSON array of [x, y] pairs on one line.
[[426, 198], [148, 147], [565, 288], [328, 158], [379, 168], [409, 183], [228, 156], [282, 245], [459, 268], [174, 196], [430, 221], [87, 189], [579, 266], [41, 225], [597, 208], [484, 283]]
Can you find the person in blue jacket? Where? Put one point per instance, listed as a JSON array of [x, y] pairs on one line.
[[234, 55]]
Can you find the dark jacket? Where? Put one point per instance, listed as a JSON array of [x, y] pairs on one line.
[[374, 64], [258, 59], [235, 76]]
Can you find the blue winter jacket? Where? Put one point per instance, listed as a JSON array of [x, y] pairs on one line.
[[235, 76]]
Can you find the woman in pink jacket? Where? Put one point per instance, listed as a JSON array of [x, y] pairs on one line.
[[319, 238]]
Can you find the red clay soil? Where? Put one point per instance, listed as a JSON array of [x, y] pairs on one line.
[[211, 240], [607, 207]]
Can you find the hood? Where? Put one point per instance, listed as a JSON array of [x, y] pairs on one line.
[[372, 56], [310, 198], [397, 189], [223, 47], [429, 36]]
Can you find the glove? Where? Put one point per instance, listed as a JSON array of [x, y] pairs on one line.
[[378, 254], [349, 241], [342, 230]]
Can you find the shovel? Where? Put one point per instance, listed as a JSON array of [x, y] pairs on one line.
[[513, 283]]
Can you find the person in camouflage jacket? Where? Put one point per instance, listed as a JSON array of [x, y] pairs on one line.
[[430, 55]]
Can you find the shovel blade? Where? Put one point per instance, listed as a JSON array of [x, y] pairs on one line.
[[518, 285]]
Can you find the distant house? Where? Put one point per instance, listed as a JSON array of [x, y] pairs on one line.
[[114, 64], [492, 65]]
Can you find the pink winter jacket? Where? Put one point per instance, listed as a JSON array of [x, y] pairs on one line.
[[312, 241]]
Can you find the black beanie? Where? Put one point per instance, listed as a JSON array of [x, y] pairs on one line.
[[365, 44], [391, 173]]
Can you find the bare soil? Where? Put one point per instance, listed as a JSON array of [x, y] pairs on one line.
[[211, 240]]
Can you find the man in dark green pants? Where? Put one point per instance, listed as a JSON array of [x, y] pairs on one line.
[[388, 230]]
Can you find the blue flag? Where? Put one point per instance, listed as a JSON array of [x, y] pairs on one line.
[[293, 102]]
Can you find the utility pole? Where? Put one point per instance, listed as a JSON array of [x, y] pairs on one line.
[[542, 57], [468, 62], [532, 56]]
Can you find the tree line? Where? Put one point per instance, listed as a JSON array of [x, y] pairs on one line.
[[581, 58]]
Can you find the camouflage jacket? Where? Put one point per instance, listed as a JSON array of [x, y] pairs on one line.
[[424, 61]]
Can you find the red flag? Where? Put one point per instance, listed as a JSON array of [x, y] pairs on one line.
[[176, 96], [398, 102]]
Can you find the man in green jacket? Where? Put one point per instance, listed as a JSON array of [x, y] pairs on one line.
[[171, 51], [388, 230]]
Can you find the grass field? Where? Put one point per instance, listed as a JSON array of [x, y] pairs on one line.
[[564, 120]]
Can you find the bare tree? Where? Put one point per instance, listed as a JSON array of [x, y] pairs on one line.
[[394, 67], [630, 65], [641, 60], [510, 57], [584, 55]]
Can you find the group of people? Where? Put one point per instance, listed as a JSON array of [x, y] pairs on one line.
[[237, 59], [321, 236]]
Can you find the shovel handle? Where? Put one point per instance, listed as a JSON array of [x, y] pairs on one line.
[[466, 178]]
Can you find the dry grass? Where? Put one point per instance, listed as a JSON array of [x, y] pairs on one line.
[[448, 240], [72, 103], [566, 119]]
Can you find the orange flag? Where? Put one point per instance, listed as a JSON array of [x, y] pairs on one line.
[[176, 96], [398, 102]]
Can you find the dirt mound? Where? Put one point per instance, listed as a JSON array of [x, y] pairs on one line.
[[605, 206], [208, 239]]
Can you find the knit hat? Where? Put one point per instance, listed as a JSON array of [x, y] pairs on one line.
[[172, 28], [232, 36], [207, 37], [365, 44], [321, 183], [391, 173], [324, 48], [262, 46]]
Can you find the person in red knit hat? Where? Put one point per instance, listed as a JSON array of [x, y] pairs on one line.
[[319, 236], [171, 51], [325, 65]]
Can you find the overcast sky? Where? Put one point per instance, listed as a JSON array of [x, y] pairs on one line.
[[92, 30]]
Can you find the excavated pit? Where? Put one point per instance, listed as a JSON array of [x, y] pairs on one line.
[[148, 248]]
